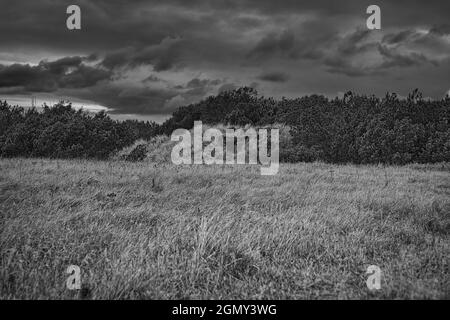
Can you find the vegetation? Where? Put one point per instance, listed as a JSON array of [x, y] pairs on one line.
[[146, 229], [353, 129], [139, 230], [63, 132]]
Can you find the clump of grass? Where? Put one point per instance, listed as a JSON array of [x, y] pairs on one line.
[[136, 152], [157, 185]]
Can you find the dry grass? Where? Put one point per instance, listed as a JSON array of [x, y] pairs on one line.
[[140, 230]]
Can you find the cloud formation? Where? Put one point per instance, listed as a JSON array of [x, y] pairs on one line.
[[149, 57], [274, 77], [68, 72]]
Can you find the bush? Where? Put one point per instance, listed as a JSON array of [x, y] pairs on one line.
[[63, 132], [137, 154], [352, 129]]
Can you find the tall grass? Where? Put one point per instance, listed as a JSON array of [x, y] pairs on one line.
[[141, 230]]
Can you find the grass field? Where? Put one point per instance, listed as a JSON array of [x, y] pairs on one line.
[[138, 230]]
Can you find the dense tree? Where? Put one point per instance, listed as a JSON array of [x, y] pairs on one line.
[[63, 132], [353, 129]]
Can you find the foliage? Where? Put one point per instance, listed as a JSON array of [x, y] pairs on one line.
[[352, 129], [63, 132]]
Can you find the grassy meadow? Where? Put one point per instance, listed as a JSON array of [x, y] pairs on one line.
[[141, 230]]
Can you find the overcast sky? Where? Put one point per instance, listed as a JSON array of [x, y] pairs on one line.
[[149, 57]]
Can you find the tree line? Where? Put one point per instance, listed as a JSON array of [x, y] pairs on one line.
[[60, 131], [352, 129]]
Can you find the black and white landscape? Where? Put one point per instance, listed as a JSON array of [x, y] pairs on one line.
[[120, 122]]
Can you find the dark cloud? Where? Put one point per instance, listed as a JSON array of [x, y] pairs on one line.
[[360, 54], [196, 83], [125, 98], [200, 87], [69, 72], [441, 30], [399, 37], [274, 77], [151, 56], [431, 37], [272, 44], [12, 90], [395, 59], [353, 43], [344, 51], [161, 56], [152, 78]]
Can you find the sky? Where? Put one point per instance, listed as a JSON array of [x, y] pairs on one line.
[[143, 59]]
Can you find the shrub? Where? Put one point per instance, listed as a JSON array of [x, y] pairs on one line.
[[63, 132]]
